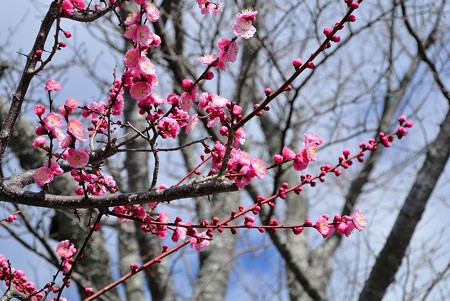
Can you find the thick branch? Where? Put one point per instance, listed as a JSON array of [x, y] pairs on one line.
[[12, 191]]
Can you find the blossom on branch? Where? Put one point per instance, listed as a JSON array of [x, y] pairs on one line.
[[243, 27]]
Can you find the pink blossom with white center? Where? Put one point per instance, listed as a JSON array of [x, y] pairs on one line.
[[132, 18], [78, 158], [323, 227], [63, 140], [140, 90], [301, 160], [186, 101], [168, 127], [75, 127], [39, 141], [200, 242], [257, 168], [311, 142], [143, 36], [218, 102], [359, 220], [244, 28], [131, 58], [208, 59], [145, 66], [43, 175], [66, 249], [151, 11], [52, 85], [191, 124], [53, 120], [204, 100]]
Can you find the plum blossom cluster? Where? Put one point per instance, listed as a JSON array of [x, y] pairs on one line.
[[70, 7], [66, 250], [301, 160], [18, 280], [343, 225], [228, 49], [208, 7], [59, 128]]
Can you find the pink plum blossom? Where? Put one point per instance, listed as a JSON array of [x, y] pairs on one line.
[[39, 110], [168, 127], [56, 169], [130, 31], [244, 24], [64, 140], [179, 233], [140, 90], [66, 249], [218, 102], [132, 18], [208, 7], [288, 154], [311, 142], [67, 7], [191, 123], [199, 242], [143, 35], [43, 175], [239, 137], [145, 66], [301, 160], [323, 227], [39, 141], [208, 59], [151, 12], [52, 85], [75, 127], [131, 58], [228, 52], [359, 220], [53, 120], [78, 158]]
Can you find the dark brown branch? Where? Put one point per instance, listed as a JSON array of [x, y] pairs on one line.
[[25, 80]]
